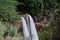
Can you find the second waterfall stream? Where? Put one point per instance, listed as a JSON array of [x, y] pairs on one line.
[[31, 31]]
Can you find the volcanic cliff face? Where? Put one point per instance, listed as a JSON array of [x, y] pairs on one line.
[[43, 23]]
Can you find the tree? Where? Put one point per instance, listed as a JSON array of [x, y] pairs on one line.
[[8, 10], [30, 7]]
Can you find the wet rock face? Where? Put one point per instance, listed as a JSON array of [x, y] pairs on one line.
[[5, 34]]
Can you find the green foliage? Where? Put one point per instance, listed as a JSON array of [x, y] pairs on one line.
[[32, 7], [47, 34], [8, 10], [2, 30], [12, 31], [39, 7]]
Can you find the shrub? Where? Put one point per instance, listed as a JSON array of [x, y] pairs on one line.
[[8, 10]]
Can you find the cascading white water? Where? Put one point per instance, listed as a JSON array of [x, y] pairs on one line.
[[33, 29], [25, 29]]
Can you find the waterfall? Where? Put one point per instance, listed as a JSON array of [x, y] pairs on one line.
[[25, 29], [33, 29], [30, 32]]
